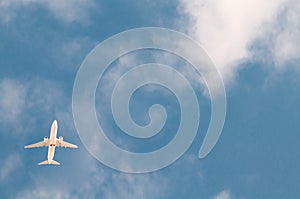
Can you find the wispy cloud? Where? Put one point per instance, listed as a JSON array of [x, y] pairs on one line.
[[132, 186], [9, 165], [67, 11], [45, 193], [223, 195], [12, 101], [20, 99]]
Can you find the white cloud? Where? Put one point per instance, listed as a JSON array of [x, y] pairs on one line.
[[68, 10], [12, 101], [9, 165], [228, 28], [287, 35], [45, 193], [19, 99], [128, 186], [223, 195], [76, 46]]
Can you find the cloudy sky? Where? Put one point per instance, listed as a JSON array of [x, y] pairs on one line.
[[254, 44]]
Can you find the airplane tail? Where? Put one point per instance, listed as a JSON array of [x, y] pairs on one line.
[[47, 162]]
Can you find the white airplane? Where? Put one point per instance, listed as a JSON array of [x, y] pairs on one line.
[[52, 142]]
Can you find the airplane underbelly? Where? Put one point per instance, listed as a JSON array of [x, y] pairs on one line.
[[51, 152]]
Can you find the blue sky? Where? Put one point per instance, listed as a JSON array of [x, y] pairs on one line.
[[253, 44]]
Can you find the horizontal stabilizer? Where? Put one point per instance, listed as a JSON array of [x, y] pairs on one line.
[[51, 162]]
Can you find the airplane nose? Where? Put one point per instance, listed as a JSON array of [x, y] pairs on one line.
[[54, 124]]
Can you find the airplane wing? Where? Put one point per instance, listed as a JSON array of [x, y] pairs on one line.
[[65, 144], [38, 144]]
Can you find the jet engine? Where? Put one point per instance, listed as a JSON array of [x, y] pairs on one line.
[[45, 139], [60, 139]]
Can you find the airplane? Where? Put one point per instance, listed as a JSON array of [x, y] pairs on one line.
[[52, 142]]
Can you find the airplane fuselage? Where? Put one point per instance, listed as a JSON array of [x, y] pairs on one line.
[[52, 141]]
